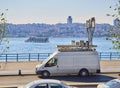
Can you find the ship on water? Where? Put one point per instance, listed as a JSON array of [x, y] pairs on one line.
[[37, 39]]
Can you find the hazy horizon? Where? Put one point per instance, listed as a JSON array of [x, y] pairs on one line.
[[56, 11]]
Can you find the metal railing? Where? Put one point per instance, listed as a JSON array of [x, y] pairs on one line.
[[109, 55], [9, 57], [16, 57]]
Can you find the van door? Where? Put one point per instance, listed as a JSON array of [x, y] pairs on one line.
[[51, 66]]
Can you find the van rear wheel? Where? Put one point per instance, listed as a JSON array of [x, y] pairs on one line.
[[45, 74], [84, 72]]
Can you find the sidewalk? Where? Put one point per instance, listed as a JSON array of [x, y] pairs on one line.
[[110, 66], [12, 68]]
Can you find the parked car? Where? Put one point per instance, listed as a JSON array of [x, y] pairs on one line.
[[47, 83], [115, 83]]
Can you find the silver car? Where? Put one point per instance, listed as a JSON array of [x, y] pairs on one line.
[[47, 83], [115, 83]]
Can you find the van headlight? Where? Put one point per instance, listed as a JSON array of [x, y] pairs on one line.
[[37, 66]]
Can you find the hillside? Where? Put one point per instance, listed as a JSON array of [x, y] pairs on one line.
[[56, 30]]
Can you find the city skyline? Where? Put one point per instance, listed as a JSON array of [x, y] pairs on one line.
[[56, 11]]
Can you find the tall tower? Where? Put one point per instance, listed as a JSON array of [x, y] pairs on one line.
[[69, 20]]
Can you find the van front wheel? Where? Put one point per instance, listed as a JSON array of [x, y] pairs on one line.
[[45, 74], [84, 72]]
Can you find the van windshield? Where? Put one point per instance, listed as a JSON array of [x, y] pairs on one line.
[[51, 62], [51, 56], [45, 61]]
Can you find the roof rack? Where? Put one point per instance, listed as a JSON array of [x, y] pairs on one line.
[[77, 46]]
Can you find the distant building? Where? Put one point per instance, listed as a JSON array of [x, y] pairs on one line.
[[117, 23], [69, 20]]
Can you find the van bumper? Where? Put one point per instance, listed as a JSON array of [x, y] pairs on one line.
[[38, 72], [98, 71]]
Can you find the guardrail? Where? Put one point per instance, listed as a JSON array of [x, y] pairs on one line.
[[9, 57], [109, 55], [23, 57]]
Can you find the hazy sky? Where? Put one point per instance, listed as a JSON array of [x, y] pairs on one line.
[[54, 11]]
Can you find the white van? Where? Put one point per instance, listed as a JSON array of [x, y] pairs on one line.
[[74, 62]]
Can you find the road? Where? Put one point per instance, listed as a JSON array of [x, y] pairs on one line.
[[15, 80]]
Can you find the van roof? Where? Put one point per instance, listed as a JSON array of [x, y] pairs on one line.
[[68, 48]]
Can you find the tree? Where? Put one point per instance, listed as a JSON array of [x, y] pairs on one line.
[[115, 31], [3, 40]]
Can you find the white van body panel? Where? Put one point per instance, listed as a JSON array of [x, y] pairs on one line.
[[65, 66], [72, 62]]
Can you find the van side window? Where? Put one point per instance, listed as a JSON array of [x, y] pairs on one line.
[[51, 62]]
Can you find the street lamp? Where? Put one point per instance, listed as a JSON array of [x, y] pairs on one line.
[[90, 26]]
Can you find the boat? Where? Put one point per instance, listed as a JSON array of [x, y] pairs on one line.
[[37, 39]]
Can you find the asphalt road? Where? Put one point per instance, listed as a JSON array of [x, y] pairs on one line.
[[92, 81]]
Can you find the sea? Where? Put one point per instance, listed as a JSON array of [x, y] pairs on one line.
[[18, 45]]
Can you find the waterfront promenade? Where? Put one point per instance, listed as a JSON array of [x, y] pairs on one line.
[[9, 74], [29, 67]]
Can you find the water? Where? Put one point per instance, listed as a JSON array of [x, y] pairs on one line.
[[18, 45]]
